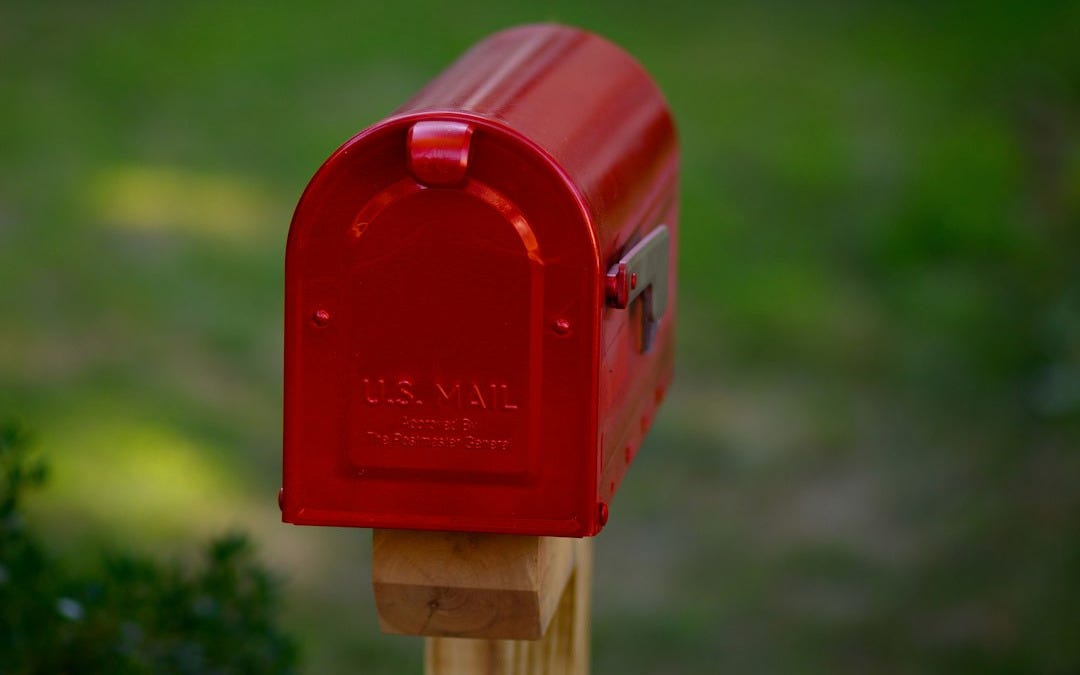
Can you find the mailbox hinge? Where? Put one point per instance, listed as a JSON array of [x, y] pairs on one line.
[[643, 271]]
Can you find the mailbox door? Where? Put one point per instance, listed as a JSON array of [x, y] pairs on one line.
[[441, 341]]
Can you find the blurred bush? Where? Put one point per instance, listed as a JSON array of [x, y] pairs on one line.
[[132, 615]]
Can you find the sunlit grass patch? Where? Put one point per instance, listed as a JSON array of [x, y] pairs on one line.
[[138, 480], [169, 199]]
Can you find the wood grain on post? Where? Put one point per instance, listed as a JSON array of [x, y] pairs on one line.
[[564, 649], [463, 584], [491, 603]]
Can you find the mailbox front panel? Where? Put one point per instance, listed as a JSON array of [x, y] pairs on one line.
[[444, 341]]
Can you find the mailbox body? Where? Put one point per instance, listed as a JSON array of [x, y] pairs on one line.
[[452, 361]]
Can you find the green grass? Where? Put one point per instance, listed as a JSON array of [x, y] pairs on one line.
[[869, 463]]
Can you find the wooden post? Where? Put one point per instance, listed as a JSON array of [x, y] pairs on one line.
[[492, 604]]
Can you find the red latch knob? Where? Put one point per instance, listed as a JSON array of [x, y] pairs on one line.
[[439, 151]]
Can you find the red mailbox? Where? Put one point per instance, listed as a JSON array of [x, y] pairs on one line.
[[480, 297]]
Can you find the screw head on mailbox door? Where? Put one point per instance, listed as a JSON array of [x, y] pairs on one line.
[[480, 297]]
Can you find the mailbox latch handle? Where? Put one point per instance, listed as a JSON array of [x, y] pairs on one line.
[[643, 271]]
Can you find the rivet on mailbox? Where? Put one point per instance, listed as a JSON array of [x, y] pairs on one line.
[[480, 297]]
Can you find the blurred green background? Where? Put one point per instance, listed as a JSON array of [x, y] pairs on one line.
[[871, 459]]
